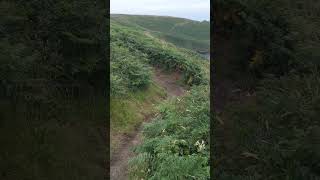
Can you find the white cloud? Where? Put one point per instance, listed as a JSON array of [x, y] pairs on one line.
[[192, 9]]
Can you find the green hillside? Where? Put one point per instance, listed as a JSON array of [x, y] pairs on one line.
[[184, 33], [134, 95]]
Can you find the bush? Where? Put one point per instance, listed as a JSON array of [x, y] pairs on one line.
[[162, 54], [176, 143], [280, 129], [128, 72]]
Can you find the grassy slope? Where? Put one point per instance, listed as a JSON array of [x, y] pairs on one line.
[[161, 53], [184, 33], [148, 48], [171, 147], [129, 112]]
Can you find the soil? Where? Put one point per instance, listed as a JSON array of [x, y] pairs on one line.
[[169, 82], [119, 162]]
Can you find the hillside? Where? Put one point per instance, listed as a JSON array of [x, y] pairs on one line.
[[184, 33], [154, 81]]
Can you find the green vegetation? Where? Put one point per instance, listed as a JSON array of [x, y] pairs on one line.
[[132, 91], [134, 52], [52, 90], [183, 33], [159, 53], [280, 129], [274, 133], [128, 112], [127, 71], [176, 142]]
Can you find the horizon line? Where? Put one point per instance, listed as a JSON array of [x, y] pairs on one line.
[[161, 16]]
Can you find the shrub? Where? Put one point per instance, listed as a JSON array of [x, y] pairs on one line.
[[280, 129], [176, 143], [128, 72], [162, 54]]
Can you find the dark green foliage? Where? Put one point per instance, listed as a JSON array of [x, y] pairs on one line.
[[280, 129], [176, 143], [288, 37], [52, 42], [273, 134], [271, 32], [52, 89]]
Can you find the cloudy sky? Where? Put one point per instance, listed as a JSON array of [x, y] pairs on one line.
[[191, 9]]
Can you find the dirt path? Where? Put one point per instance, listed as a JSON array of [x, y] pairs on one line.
[[119, 163], [169, 82]]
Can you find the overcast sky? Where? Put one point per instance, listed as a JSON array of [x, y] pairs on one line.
[[191, 9]]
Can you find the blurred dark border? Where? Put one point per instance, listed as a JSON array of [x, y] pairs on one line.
[[54, 84], [212, 67]]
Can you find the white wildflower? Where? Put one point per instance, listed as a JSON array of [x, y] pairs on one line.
[[200, 146]]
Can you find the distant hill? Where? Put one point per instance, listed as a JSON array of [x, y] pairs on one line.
[[136, 96], [185, 33]]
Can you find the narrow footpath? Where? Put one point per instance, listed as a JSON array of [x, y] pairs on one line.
[[119, 163]]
